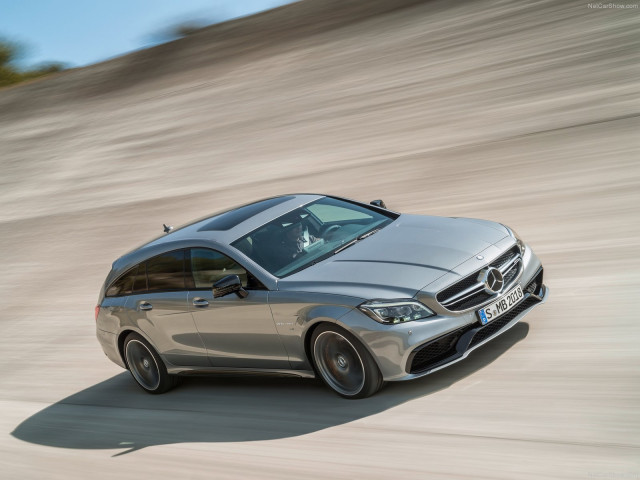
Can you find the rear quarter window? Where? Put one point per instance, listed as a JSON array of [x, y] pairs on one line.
[[123, 285]]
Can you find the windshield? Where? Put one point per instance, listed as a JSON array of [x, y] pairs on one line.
[[310, 234]]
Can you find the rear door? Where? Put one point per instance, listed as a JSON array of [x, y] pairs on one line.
[[237, 332], [159, 307]]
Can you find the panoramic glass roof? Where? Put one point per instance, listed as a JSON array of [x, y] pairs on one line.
[[231, 218]]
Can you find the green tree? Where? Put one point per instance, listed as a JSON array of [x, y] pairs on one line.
[[10, 74]]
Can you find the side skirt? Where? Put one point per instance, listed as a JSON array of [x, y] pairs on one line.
[[203, 371]]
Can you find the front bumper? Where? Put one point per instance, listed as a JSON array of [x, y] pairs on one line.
[[414, 349], [457, 345]]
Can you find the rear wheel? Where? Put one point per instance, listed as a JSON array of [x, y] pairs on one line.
[[343, 363], [146, 366]]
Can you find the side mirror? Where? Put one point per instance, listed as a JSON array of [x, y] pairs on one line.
[[227, 285], [378, 203]]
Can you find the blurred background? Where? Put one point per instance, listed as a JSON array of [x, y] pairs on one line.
[[524, 113]]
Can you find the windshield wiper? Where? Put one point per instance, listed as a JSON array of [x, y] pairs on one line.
[[355, 240], [368, 234], [346, 245]]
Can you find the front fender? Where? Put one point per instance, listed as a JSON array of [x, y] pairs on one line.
[[296, 314]]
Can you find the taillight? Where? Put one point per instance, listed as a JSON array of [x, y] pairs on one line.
[[97, 311]]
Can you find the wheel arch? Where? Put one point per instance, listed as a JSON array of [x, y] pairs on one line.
[[341, 326], [122, 336], [343, 323], [371, 375], [307, 340]]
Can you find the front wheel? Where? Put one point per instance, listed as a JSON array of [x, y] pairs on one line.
[[146, 366], [343, 363]]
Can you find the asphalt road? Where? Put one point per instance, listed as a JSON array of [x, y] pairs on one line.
[[520, 112]]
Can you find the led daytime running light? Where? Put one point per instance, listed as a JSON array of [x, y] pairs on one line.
[[395, 311]]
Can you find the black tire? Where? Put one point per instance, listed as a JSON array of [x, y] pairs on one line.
[[146, 366], [343, 364]]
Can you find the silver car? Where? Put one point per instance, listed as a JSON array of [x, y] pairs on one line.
[[314, 285]]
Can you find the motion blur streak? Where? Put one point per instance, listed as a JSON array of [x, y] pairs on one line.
[[520, 112]]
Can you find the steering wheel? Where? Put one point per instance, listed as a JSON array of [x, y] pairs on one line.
[[330, 232]]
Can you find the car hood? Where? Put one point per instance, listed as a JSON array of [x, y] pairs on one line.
[[399, 260]]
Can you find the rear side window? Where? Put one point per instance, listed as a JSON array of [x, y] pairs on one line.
[[140, 278], [166, 271], [124, 285]]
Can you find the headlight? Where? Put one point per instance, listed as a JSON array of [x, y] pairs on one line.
[[521, 245], [391, 312]]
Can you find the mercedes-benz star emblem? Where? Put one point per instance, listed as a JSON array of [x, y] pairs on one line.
[[492, 279]]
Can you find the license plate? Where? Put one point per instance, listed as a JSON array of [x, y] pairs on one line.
[[501, 306]]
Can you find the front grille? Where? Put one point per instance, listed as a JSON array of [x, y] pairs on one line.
[[448, 297], [476, 299], [435, 351], [510, 274], [506, 257], [457, 288]]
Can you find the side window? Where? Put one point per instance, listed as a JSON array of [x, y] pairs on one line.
[[123, 285], [209, 266], [165, 272], [140, 279]]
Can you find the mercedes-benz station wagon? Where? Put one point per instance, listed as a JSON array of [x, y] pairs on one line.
[[315, 286]]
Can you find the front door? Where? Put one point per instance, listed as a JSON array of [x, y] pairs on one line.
[[237, 332]]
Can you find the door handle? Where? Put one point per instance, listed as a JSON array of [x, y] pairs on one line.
[[200, 302], [145, 306]]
